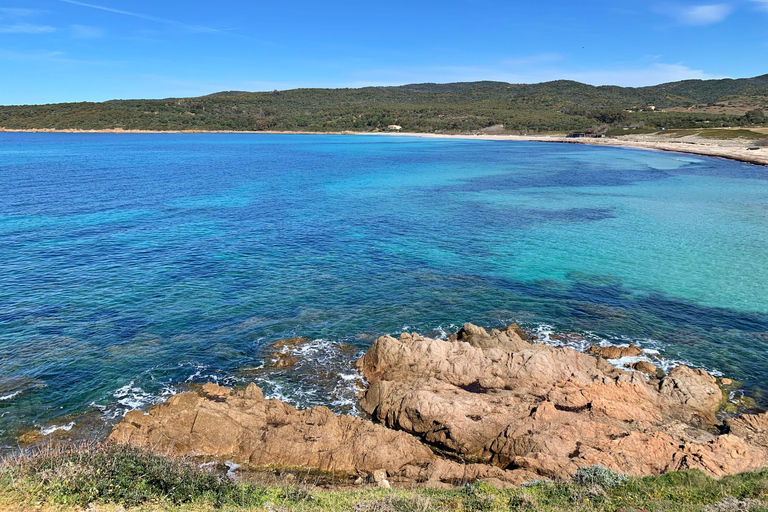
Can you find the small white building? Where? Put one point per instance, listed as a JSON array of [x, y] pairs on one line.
[[394, 127]]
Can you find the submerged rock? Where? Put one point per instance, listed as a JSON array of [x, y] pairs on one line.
[[282, 355]]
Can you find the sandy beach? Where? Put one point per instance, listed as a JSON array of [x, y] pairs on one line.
[[732, 149]]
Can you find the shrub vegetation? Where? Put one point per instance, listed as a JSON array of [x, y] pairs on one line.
[[553, 106]]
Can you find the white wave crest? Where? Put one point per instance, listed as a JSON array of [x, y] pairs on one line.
[[53, 428], [11, 396]]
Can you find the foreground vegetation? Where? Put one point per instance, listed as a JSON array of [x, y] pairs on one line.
[[517, 108], [114, 477]]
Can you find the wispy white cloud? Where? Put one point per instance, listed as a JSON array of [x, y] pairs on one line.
[[656, 73], [26, 28], [628, 76], [762, 4], [86, 32], [195, 28], [704, 14]]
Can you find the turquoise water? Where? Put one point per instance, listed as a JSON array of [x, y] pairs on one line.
[[133, 265]]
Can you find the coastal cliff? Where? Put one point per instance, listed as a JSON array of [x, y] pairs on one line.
[[489, 406]]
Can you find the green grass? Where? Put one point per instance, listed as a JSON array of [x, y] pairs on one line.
[[110, 477]]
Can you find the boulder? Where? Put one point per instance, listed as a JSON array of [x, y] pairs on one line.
[[533, 409], [614, 352], [644, 367], [510, 339], [695, 390]]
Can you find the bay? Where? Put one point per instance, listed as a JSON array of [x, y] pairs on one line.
[[132, 265]]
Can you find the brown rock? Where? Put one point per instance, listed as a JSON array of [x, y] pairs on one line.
[[695, 389], [511, 339], [517, 330], [282, 355], [645, 367], [30, 437], [247, 428], [377, 476], [538, 411], [290, 343], [614, 352], [753, 428], [514, 410]]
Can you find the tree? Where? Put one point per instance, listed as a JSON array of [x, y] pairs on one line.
[[756, 116], [609, 116]]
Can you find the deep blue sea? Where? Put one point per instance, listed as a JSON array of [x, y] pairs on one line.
[[134, 265]]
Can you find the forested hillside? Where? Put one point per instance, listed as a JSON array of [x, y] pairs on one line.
[[552, 106]]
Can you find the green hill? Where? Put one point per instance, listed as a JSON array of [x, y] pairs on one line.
[[551, 106]]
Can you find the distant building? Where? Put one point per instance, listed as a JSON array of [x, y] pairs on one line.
[[394, 127]]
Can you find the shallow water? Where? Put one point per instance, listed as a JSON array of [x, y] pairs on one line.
[[133, 265]]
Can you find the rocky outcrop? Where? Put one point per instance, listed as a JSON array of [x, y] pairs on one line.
[[506, 410], [247, 427], [494, 398]]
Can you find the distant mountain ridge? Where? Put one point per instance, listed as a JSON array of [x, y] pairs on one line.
[[555, 105]]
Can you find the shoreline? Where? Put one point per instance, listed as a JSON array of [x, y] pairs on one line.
[[699, 146], [494, 406]]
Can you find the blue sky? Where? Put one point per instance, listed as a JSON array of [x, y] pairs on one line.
[[95, 50]]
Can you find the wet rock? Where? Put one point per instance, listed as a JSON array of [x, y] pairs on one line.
[[290, 343], [614, 352], [282, 355], [535, 411], [644, 367], [283, 360], [30, 437]]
